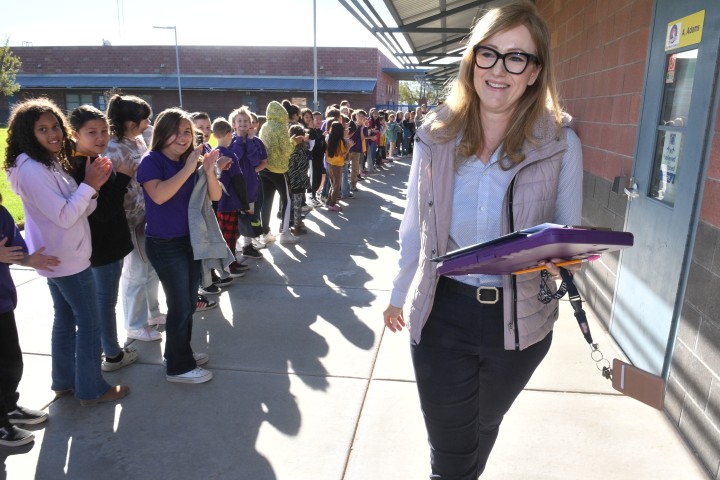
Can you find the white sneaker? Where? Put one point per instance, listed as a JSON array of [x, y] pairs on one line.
[[147, 334], [197, 375], [267, 238], [201, 358], [159, 320], [259, 245], [130, 355], [287, 238]]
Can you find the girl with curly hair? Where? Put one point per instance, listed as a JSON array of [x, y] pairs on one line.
[[56, 210]]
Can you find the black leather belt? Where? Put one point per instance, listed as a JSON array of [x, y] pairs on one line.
[[484, 295]]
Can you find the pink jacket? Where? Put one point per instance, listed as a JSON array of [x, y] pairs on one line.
[[56, 211]]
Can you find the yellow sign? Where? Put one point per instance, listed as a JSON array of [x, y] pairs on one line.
[[685, 31]]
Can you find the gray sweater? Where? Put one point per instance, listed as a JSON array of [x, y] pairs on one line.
[[206, 238]]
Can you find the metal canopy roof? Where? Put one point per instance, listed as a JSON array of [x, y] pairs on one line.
[[192, 82], [425, 36]]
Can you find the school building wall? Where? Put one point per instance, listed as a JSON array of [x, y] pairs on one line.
[[342, 62], [600, 50]]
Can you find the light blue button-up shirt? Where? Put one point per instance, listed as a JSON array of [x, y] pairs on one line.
[[478, 201]]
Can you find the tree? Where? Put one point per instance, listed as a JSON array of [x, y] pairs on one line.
[[413, 93], [9, 66], [409, 92]]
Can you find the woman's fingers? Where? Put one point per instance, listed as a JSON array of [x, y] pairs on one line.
[[393, 317]]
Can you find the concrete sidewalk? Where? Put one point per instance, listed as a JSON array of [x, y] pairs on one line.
[[309, 385]]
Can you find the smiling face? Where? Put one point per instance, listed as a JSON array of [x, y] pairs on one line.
[[242, 124], [500, 91], [203, 125], [48, 133], [180, 141], [317, 121], [92, 137], [308, 119]]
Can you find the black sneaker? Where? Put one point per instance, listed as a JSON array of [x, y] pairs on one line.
[[237, 270], [209, 290], [222, 282], [250, 251], [26, 416], [203, 303], [12, 436]]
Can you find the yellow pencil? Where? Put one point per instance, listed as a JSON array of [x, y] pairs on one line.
[[559, 264]]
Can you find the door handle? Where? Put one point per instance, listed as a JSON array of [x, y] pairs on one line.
[[632, 191]]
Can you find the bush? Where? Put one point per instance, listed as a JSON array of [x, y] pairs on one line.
[[10, 200]]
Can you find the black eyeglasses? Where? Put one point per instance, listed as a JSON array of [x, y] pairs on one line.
[[514, 62]]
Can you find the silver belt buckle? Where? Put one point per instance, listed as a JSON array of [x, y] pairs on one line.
[[478, 295]]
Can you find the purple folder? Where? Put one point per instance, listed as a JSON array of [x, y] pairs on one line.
[[526, 248]]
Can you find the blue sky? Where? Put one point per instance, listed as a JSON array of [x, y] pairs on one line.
[[204, 22]]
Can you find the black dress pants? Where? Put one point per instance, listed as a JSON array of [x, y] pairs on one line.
[[467, 381]]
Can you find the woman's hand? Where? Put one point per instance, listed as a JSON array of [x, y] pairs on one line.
[[97, 172], [393, 317]]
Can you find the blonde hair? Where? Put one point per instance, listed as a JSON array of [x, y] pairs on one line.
[[461, 112], [239, 111]]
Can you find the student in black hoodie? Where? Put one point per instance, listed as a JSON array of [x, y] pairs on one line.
[[109, 228]]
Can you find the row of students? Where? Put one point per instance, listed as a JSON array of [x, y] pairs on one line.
[[75, 205], [56, 211], [97, 212]]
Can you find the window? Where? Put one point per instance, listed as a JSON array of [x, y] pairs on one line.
[[250, 101], [74, 100]]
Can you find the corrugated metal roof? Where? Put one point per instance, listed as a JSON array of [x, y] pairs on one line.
[[199, 82], [426, 34]]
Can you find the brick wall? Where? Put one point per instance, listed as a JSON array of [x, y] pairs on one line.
[[710, 211], [201, 60], [215, 60], [599, 49], [693, 394]]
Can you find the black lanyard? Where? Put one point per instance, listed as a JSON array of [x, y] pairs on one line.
[[568, 286]]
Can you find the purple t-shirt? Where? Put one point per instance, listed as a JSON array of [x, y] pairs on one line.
[[229, 201], [250, 152], [169, 220], [8, 229], [355, 137]]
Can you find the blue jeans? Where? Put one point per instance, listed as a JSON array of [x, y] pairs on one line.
[[76, 336], [180, 277], [140, 286], [345, 185], [467, 381], [371, 150], [406, 140], [107, 283]]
